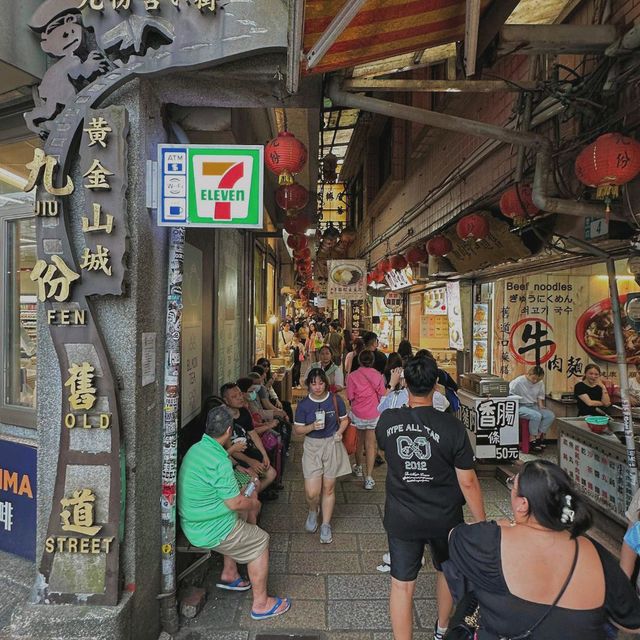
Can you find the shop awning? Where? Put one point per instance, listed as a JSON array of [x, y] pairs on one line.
[[383, 28]]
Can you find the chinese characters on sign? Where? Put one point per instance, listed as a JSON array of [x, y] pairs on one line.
[[357, 318], [104, 164]]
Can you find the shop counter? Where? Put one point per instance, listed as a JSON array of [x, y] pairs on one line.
[[562, 409], [492, 423], [597, 464]]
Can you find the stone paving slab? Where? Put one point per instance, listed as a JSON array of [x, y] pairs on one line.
[[359, 614], [299, 587], [373, 542], [364, 497], [426, 612], [341, 587], [298, 497], [324, 563], [357, 511], [310, 543], [357, 525]]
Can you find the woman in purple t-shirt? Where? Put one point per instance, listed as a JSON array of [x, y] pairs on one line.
[[322, 418]]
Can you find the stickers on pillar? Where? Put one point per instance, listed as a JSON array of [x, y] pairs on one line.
[[211, 186]]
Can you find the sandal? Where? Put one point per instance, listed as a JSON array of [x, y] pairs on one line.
[[274, 611], [239, 584]]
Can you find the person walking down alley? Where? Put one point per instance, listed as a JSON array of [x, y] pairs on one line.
[[365, 388], [210, 504], [430, 475], [335, 340], [530, 388], [322, 418]]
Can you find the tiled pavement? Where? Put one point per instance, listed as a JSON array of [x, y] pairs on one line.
[[335, 589]]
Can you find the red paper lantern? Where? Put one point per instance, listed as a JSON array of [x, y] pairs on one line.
[[369, 278], [517, 202], [297, 224], [297, 242], [439, 246], [609, 162], [416, 254], [285, 156], [384, 266], [378, 276], [473, 227], [292, 196], [398, 262]]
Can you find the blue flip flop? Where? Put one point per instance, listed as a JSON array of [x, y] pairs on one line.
[[273, 612], [236, 585]]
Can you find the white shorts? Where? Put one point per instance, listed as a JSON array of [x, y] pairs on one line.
[[363, 424]]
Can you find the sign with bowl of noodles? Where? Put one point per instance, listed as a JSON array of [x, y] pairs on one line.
[[594, 332], [347, 280]]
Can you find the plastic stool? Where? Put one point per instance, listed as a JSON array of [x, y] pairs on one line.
[[524, 435]]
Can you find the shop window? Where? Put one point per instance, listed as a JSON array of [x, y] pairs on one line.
[[18, 317]]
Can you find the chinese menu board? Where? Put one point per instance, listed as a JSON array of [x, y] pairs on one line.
[[492, 424], [456, 340], [600, 475], [560, 321], [480, 337]]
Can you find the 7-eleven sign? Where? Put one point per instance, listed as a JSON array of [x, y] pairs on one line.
[[222, 186]]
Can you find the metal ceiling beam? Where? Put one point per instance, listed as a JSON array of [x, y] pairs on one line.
[[494, 18], [534, 39], [334, 30], [294, 49], [472, 23], [437, 86]]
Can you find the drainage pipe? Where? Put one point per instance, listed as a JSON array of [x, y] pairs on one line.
[[541, 144]]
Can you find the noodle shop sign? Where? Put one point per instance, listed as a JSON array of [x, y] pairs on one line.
[[561, 323]]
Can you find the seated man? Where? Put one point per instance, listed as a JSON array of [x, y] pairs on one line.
[[253, 459], [530, 388], [209, 502]]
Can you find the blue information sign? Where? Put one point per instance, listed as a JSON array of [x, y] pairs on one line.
[[18, 486]]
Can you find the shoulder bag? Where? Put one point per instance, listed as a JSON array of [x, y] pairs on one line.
[[350, 434]]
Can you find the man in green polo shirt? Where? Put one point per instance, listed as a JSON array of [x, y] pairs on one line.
[[209, 502]]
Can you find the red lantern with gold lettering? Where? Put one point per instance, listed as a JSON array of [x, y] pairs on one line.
[[472, 227], [439, 246], [398, 262], [608, 163], [416, 254], [517, 203], [377, 276], [291, 196], [285, 156]]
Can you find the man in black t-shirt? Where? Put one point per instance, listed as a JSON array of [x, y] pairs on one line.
[[430, 475], [371, 344]]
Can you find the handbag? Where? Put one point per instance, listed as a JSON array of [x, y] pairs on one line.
[[269, 440], [350, 434]]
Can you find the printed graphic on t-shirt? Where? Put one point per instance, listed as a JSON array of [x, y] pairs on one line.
[[413, 444]]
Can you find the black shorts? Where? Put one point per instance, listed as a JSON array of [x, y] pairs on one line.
[[406, 556]]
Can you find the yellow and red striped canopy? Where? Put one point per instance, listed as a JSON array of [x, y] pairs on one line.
[[383, 28]]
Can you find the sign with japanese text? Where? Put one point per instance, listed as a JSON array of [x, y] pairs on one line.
[[18, 485], [400, 279], [210, 186], [561, 322], [456, 339], [347, 280]]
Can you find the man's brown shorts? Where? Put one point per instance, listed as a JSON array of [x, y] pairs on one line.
[[245, 542]]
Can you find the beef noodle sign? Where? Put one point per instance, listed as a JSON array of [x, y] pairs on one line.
[[551, 321]]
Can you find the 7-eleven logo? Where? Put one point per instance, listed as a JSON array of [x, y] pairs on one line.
[[222, 186]]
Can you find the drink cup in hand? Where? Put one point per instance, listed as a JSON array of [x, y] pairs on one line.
[[319, 424]]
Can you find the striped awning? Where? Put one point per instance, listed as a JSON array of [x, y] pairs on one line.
[[383, 28]]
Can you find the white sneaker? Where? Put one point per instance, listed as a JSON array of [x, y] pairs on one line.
[[311, 525], [369, 483], [326, 536], [357, 471], [386, 558]]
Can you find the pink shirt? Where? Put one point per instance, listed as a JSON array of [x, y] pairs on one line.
[[365, 387]]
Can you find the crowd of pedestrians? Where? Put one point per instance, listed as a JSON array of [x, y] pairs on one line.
[[535, 576]]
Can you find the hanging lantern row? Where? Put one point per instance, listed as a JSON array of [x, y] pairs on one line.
[[439, 246], [417, 254], [607, 164], [297, 224], [285, 156]]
